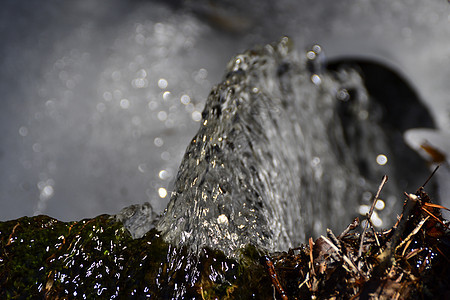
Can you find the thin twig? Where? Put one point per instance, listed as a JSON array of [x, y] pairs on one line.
[[412, 233], [406, 248], [273, 276], [350, 227], [433, 216], [369, 215], [414, 253], [391, 245], [333, 238], [429, 177], [13, 231], [346, 259], [311, 256], [436, 206], [374, 233], [304, 281]]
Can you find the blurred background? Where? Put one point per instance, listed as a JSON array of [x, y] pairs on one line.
[[99, 101]]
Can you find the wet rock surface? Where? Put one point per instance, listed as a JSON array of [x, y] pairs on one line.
[[42, 257]]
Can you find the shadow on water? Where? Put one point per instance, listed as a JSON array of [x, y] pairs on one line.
[[398, 107]]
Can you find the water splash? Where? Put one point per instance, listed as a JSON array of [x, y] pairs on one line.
[[270, 164], [138, 219]]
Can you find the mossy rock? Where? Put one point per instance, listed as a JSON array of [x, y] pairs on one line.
[[41, 257]]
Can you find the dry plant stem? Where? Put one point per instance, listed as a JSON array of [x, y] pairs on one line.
[[415, 231], [274, 277], [413, 253], [374, 233], [333, 238], [304, 281], [311, 257], [10, 236], [369, 215], [385, 256], [433, 216], [431, 175], [350, 227], [346, 259]]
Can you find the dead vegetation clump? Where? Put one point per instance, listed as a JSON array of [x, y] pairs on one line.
[[410, 260]]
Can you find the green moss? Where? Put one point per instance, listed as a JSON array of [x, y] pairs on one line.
[[97, 257]]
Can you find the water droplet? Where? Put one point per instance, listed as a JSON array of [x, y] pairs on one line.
[[317, 49], [196, 116], [201, 75], [107, 96], [222, 219], [315, 161], [23, 131], [162, 83], [363, 115], [163, 174], [380, 204], [158, 142], [162, 115], [364, 209], [70, 84], [142, 73], [152, 105], [316, 79], [165, 155], [190, 107], [47, 191], [124, 103], [343, 95], [37, 147], [376, 220], [117, 94], [311, 55], [142, 168], [166, 95], [139, 83], [382, 159], [162, 192], [185, 99]]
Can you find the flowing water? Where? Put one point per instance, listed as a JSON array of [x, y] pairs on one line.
[[271, 163]]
